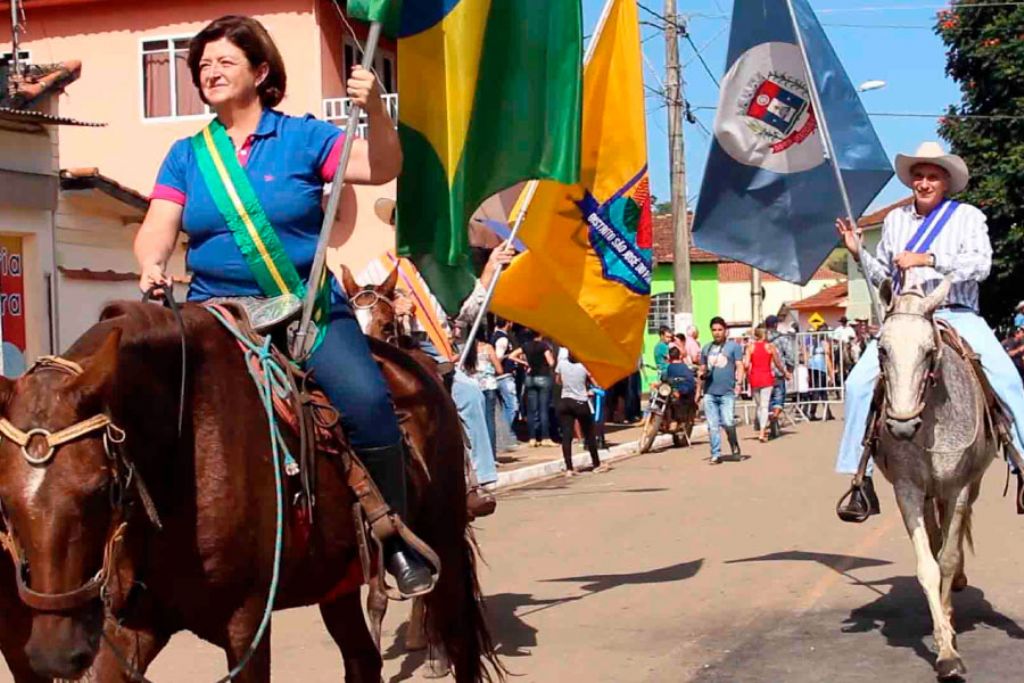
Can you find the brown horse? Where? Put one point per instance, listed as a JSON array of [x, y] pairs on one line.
[[88, 555]]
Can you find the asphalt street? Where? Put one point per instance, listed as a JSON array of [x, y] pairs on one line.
[[668, 569]]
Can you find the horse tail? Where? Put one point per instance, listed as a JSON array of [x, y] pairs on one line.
[[456, 618], [454, 615]]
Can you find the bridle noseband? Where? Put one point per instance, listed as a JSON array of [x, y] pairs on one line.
[[125, 477], [367, 299], [931, 377]]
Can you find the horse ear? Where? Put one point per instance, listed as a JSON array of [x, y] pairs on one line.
[[99, 370], [937, 296], [348, 282], [885, 291], [387, 288]]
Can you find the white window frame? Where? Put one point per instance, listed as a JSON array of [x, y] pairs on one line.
[[26, 57], [169, 39], [378, 63], [654, 323]]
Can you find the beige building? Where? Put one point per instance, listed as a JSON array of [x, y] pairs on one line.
[[734, 290], [136, 82]]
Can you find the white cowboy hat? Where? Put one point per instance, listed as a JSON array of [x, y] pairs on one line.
[[932, 153], [1019, 306]]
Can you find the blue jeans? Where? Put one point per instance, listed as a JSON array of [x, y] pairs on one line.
[[778, 399], [471, 405], [490, 405], [860, 385], [720, 412], [509, 400], [349, 376], [538, 405]]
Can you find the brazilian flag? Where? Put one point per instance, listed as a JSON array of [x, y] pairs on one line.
[[490, 96]]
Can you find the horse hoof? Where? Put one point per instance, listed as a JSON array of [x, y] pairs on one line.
[[951, 669], [959, 582], [436, 668]]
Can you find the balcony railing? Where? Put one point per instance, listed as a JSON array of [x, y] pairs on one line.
[[336, 111]]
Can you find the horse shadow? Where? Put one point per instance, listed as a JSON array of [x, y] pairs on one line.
[[902, 616]]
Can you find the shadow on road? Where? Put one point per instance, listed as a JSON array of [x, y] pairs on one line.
[[837, 563], [506, 612], [902, 616], [598, 583], [536, 492]]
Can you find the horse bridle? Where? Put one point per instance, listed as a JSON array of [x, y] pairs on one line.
[[125, 476], [367, 298], [931, 377]]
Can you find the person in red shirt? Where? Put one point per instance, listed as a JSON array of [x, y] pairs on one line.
[[758, 359]]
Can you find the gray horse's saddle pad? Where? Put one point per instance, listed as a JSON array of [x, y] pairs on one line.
[[264, 313]]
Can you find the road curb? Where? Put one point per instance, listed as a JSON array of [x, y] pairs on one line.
[[551, 468]]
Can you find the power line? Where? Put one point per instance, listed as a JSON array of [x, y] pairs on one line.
[[701, 58], [917, 115]]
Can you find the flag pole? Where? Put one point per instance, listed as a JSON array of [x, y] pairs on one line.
[[830, 156], [524, 203], [301, 341], [528, 193]]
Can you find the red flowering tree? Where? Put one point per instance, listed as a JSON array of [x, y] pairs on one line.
[[986, 57]]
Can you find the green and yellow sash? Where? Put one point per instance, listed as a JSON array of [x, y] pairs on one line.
[[255, 236]]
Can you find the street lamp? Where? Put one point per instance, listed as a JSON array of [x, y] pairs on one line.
[[871, 85]]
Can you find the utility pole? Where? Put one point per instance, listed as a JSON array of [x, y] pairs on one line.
[[756, 300], [677, 159]]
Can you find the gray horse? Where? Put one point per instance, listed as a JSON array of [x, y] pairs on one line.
[[934, 447]]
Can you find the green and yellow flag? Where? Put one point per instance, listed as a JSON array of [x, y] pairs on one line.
[[586, 279], [385, 11], [490, 96]]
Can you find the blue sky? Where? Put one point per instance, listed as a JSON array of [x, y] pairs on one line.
[[889, 40]]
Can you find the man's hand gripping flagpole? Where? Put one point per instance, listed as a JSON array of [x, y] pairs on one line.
[[830, 156], [531, 188], [301, 342]]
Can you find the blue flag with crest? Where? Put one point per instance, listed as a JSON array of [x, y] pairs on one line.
[[769, 196]]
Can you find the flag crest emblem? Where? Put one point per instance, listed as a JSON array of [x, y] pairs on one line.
[[619, 232]]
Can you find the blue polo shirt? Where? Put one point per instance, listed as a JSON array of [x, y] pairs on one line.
[[287, 160]]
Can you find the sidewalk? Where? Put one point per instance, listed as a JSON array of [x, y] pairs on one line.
[[526, 465]]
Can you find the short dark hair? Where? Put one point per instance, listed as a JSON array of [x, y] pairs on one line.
[[252, 38], [664, 328], [718, 320], [674, 353]]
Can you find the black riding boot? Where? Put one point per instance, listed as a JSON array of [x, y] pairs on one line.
[[862, 503], [386, 465], [734, 442]]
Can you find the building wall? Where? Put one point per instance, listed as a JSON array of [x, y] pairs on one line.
[[735, 304], [92, 238], [859, 301], [704, 287], [107, 38]]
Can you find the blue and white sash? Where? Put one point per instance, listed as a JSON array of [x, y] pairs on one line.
[[929, 229]]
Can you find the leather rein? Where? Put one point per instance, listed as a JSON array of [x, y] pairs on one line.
[[930, 380], [125, 478]]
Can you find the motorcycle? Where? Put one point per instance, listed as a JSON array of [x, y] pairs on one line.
[[668, 413]]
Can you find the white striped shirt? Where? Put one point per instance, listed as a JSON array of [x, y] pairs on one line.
[[962, 252]]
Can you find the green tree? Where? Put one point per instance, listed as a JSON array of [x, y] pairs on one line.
[[986, 57]]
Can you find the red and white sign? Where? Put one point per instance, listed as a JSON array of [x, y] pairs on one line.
[[12, 291]]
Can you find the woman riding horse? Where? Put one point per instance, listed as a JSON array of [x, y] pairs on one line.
[[248, 192]]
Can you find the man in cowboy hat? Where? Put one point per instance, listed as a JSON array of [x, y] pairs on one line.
[[954, 244]]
